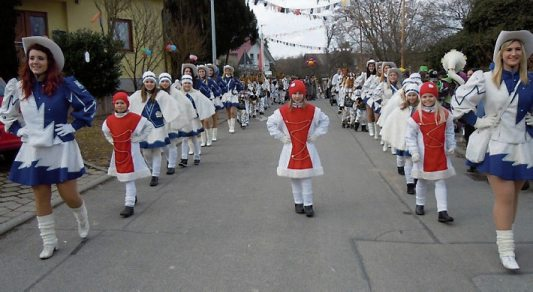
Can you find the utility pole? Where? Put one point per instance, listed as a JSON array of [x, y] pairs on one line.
[[402, 34], [213, 34], [262, 51]]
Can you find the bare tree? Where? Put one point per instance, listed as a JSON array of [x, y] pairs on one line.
[[148, 45], [183, 33], [378, 25], [111, 9]]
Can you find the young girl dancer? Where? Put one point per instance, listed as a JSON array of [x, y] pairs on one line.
[[159, 108], [204, 109], [124, 130], [395, 127], [298, 124], [186, 114], [430, 138]]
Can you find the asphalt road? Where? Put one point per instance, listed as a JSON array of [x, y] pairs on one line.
[[229, 225]]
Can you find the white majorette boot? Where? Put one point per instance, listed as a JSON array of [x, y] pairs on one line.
[[214, 137], [505, 242], [232, 125], [371, 129], [83, 221], [48, 234], [209, 134], [202, 138]]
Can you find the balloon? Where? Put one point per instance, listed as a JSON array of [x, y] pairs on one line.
[[147, 52], [173, 48]]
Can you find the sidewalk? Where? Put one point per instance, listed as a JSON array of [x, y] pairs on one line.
[[17, 203]]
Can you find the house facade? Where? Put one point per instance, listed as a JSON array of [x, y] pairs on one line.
[[42, 17], [247, 58]]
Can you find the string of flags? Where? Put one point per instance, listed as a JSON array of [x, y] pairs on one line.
[[313, 12], [295, 45], [295, 32]]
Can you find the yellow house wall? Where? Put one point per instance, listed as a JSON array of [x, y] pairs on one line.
[[55, 11], [69, 16]]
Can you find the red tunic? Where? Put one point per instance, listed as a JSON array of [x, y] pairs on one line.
[[298, 121], [121, 130], [434, 137]]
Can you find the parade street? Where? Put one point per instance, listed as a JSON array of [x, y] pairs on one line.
[[229, 224]]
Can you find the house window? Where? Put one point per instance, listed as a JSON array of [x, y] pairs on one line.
[[31, 23], [122, 32]]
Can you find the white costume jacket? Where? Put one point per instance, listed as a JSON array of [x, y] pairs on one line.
[[299, 157], [510, 149], [161, 111]]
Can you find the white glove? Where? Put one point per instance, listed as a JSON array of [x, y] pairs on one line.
[[311, 138], [285, 140], [486, 122], [415, 157], [23, 134], [451, 151], [529, 119], [64, 129]]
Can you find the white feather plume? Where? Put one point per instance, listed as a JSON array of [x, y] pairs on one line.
[[453, 60]]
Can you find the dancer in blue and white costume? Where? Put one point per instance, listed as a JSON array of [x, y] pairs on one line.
[[160, 109], [371, 81], [186, 114], [204, 109], [507, 93], [36, 109], [230, 99], [210, 89], [212, 73]]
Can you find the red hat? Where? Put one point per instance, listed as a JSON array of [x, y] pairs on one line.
[[121, 95], [297, 86], [429, 87]]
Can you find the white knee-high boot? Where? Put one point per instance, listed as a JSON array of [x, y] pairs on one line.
[[214, 137], [232, 125], [371, 129], [202, 137], [209, 137], [505, 242], [48, 234], [83, 221]]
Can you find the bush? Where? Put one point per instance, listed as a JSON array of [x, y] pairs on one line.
[[101, 74]]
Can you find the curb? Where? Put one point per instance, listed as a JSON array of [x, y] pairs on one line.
[[9, 225]]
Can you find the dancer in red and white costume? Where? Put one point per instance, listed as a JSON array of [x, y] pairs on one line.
[[124, 130], [430, 139], [298, 124]]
